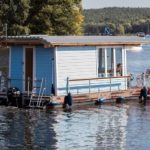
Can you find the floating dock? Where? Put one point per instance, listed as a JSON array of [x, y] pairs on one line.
[[77, 100]]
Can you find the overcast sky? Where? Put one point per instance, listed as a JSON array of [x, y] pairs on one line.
[[87, 4]]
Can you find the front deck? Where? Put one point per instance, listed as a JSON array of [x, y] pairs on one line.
[[78, 99], [93, 88]]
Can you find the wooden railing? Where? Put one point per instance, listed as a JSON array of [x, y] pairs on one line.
[[90, 85]]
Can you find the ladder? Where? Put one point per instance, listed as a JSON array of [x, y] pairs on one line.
[[40, 98], [36, 100]]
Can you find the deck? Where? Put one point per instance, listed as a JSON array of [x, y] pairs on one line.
[[80, 99]]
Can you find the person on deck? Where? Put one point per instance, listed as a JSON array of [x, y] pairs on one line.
[[143, 95], [119, 69]]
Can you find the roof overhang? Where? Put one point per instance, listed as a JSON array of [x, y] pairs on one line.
[[14, 40], [55, 41], [94, 44]]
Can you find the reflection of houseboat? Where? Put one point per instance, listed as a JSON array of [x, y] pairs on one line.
[[62, 64]]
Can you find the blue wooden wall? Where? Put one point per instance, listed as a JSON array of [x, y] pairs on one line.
[[43, 66], [44, 58], [16, 64]]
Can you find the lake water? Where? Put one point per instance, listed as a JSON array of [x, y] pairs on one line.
[[139, 61], [86, 128], [89, 128]]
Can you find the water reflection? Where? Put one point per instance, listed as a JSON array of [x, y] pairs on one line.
[[91, 128], [138, 133], [26, 129]]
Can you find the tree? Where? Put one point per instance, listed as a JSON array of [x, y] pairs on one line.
[[119, 29], [59, 17], [126, 20], [15, 13]]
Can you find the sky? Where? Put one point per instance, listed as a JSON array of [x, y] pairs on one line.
[[87, 4]]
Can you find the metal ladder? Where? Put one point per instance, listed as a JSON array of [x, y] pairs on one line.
[[40, 98], [36, 100]]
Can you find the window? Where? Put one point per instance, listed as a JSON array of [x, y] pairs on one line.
[[119, 62], [109, 62], [101, 62]]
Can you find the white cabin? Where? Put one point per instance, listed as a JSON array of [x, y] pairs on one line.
[[76, 64]]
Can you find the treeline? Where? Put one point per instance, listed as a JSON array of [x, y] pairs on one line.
[[65, 17], [52, 17], [118, 21]]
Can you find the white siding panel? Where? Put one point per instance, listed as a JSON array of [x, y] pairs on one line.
[[75, 63]]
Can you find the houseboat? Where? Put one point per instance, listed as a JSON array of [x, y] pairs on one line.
[[60, 65]]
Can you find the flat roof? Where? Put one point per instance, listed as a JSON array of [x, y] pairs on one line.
[[53, 41]]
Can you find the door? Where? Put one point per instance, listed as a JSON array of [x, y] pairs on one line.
[[28, 69]]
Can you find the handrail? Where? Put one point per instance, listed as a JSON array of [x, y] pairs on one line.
[[90, 84], [98, 78], [23, 79]]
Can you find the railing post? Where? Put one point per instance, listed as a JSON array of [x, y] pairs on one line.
[[28, 85], [67, 86], [89, 86], [144, 79], [77, 91], [110, 84], [125, 83], [8, 83]]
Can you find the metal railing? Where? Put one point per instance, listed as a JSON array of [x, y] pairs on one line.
[[5, 83], [97, 83], [143, 80]]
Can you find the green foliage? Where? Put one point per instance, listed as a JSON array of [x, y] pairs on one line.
[[53, 17], [120, 20], [15, 13]]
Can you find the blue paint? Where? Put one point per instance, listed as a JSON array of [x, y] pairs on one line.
[[44, 58], [17, 67], [43, 68]]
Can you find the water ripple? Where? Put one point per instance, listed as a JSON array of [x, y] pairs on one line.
[[93, 128]]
